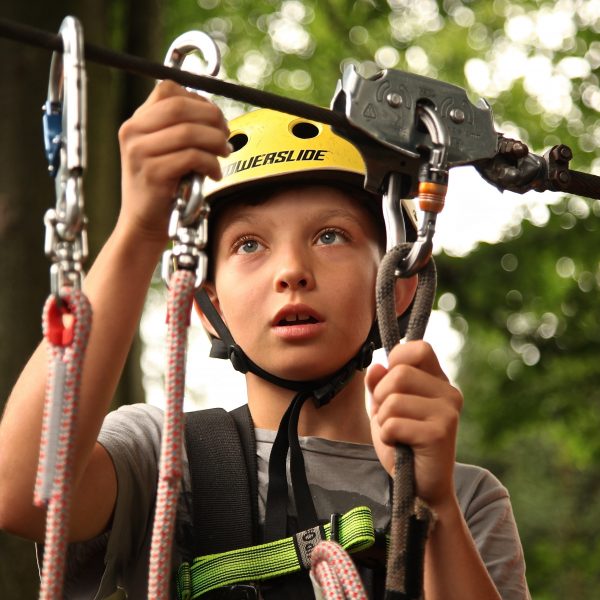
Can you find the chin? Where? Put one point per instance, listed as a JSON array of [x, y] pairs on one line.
[[297, 370]]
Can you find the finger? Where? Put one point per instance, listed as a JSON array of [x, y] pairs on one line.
[[178, 109], [171, 167], [374, 375], [418, 354], [406, 379], [180, 137], [417, 408], [168, 88], [416, 434]]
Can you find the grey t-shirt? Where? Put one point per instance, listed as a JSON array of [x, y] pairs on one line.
[[341, 475]]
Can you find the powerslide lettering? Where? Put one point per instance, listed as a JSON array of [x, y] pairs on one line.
[[271, 158]]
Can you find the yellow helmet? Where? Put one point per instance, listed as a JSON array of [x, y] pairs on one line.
[[269, 145]]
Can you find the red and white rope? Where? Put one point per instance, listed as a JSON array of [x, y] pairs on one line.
[[336, 574], [181, 290], [53, 487]]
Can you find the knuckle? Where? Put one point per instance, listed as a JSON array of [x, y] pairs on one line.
[[125, 131], [167, 88], [389, 431], [423, 348], [438, 432], [174, 107]]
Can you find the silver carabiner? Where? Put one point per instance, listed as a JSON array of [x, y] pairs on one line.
[[188, 225], [65, 127], [64, 123], [432, 189], [190, 188]]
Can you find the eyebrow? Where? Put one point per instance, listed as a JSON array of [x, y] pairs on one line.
[[248, 216]]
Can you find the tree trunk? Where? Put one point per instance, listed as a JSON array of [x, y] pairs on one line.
[[26, 191]]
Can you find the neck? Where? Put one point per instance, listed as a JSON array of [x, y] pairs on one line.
[[344, 418]]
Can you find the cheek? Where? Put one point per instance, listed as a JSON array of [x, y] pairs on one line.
[[359, 298], [238, 302]]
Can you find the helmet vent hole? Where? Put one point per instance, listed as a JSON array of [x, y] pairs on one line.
[[238, 141], [305, 130]]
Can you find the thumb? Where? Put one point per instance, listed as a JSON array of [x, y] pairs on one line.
[[374, 375]]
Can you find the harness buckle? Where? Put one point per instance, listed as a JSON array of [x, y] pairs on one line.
[[237, 591]]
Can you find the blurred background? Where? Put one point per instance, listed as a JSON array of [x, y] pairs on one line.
[[517, 320]]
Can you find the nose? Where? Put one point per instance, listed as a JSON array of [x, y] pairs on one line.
[[294, 273]]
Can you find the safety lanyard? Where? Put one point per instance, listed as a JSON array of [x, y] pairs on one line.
[[67, 313], [184, 270]]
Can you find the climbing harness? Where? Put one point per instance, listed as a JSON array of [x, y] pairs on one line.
[[184, 268], [409, 131], [224, 528], [67, 312]]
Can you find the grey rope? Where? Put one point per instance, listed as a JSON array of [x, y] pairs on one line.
[[411, 517]]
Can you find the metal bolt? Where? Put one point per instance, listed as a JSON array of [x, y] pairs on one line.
[[457, 115], [565, 152], [394, 99]]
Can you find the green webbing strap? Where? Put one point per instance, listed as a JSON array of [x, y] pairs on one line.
[[269, 560]]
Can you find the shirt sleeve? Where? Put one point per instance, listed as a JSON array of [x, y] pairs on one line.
[[485, 503], [96, 568]]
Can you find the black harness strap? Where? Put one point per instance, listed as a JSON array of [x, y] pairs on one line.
[[222, 453]]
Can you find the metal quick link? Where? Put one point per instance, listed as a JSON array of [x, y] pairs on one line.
[[188, 226]]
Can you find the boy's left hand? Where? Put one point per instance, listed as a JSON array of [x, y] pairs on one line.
[[413, 403]]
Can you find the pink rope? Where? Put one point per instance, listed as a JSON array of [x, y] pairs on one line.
[[335, 572], [53, 486], [181, 289]]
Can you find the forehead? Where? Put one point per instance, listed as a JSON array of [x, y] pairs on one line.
[[318, 201]]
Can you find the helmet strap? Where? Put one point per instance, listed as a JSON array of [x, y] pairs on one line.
[[320, 390]]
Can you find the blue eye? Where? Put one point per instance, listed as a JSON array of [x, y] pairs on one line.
[[248, 246], [330, 237]]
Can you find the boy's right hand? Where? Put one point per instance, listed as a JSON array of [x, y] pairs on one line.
[[173, 133]]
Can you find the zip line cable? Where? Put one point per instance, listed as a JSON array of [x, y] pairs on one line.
[[140, 66], [549, 177]]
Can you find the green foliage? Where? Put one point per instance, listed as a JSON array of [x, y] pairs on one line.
[[529, 374]]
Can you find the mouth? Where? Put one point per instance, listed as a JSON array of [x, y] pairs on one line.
[[299, 319], [293, 316]]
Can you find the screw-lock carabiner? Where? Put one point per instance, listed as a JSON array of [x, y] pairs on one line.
[[433, 184], [189, 219], [64, 122]]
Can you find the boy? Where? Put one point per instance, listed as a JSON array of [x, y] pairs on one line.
[[293, 267]]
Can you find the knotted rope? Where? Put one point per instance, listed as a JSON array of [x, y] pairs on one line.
[[181, 290], [53, 486], [411, 517]]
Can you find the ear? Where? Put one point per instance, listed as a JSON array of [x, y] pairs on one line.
[[405, 292], [209, 288]]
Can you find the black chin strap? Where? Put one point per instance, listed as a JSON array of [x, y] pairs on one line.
[[320, 390]]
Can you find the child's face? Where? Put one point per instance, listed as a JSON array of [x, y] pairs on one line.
[[295, 279]]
